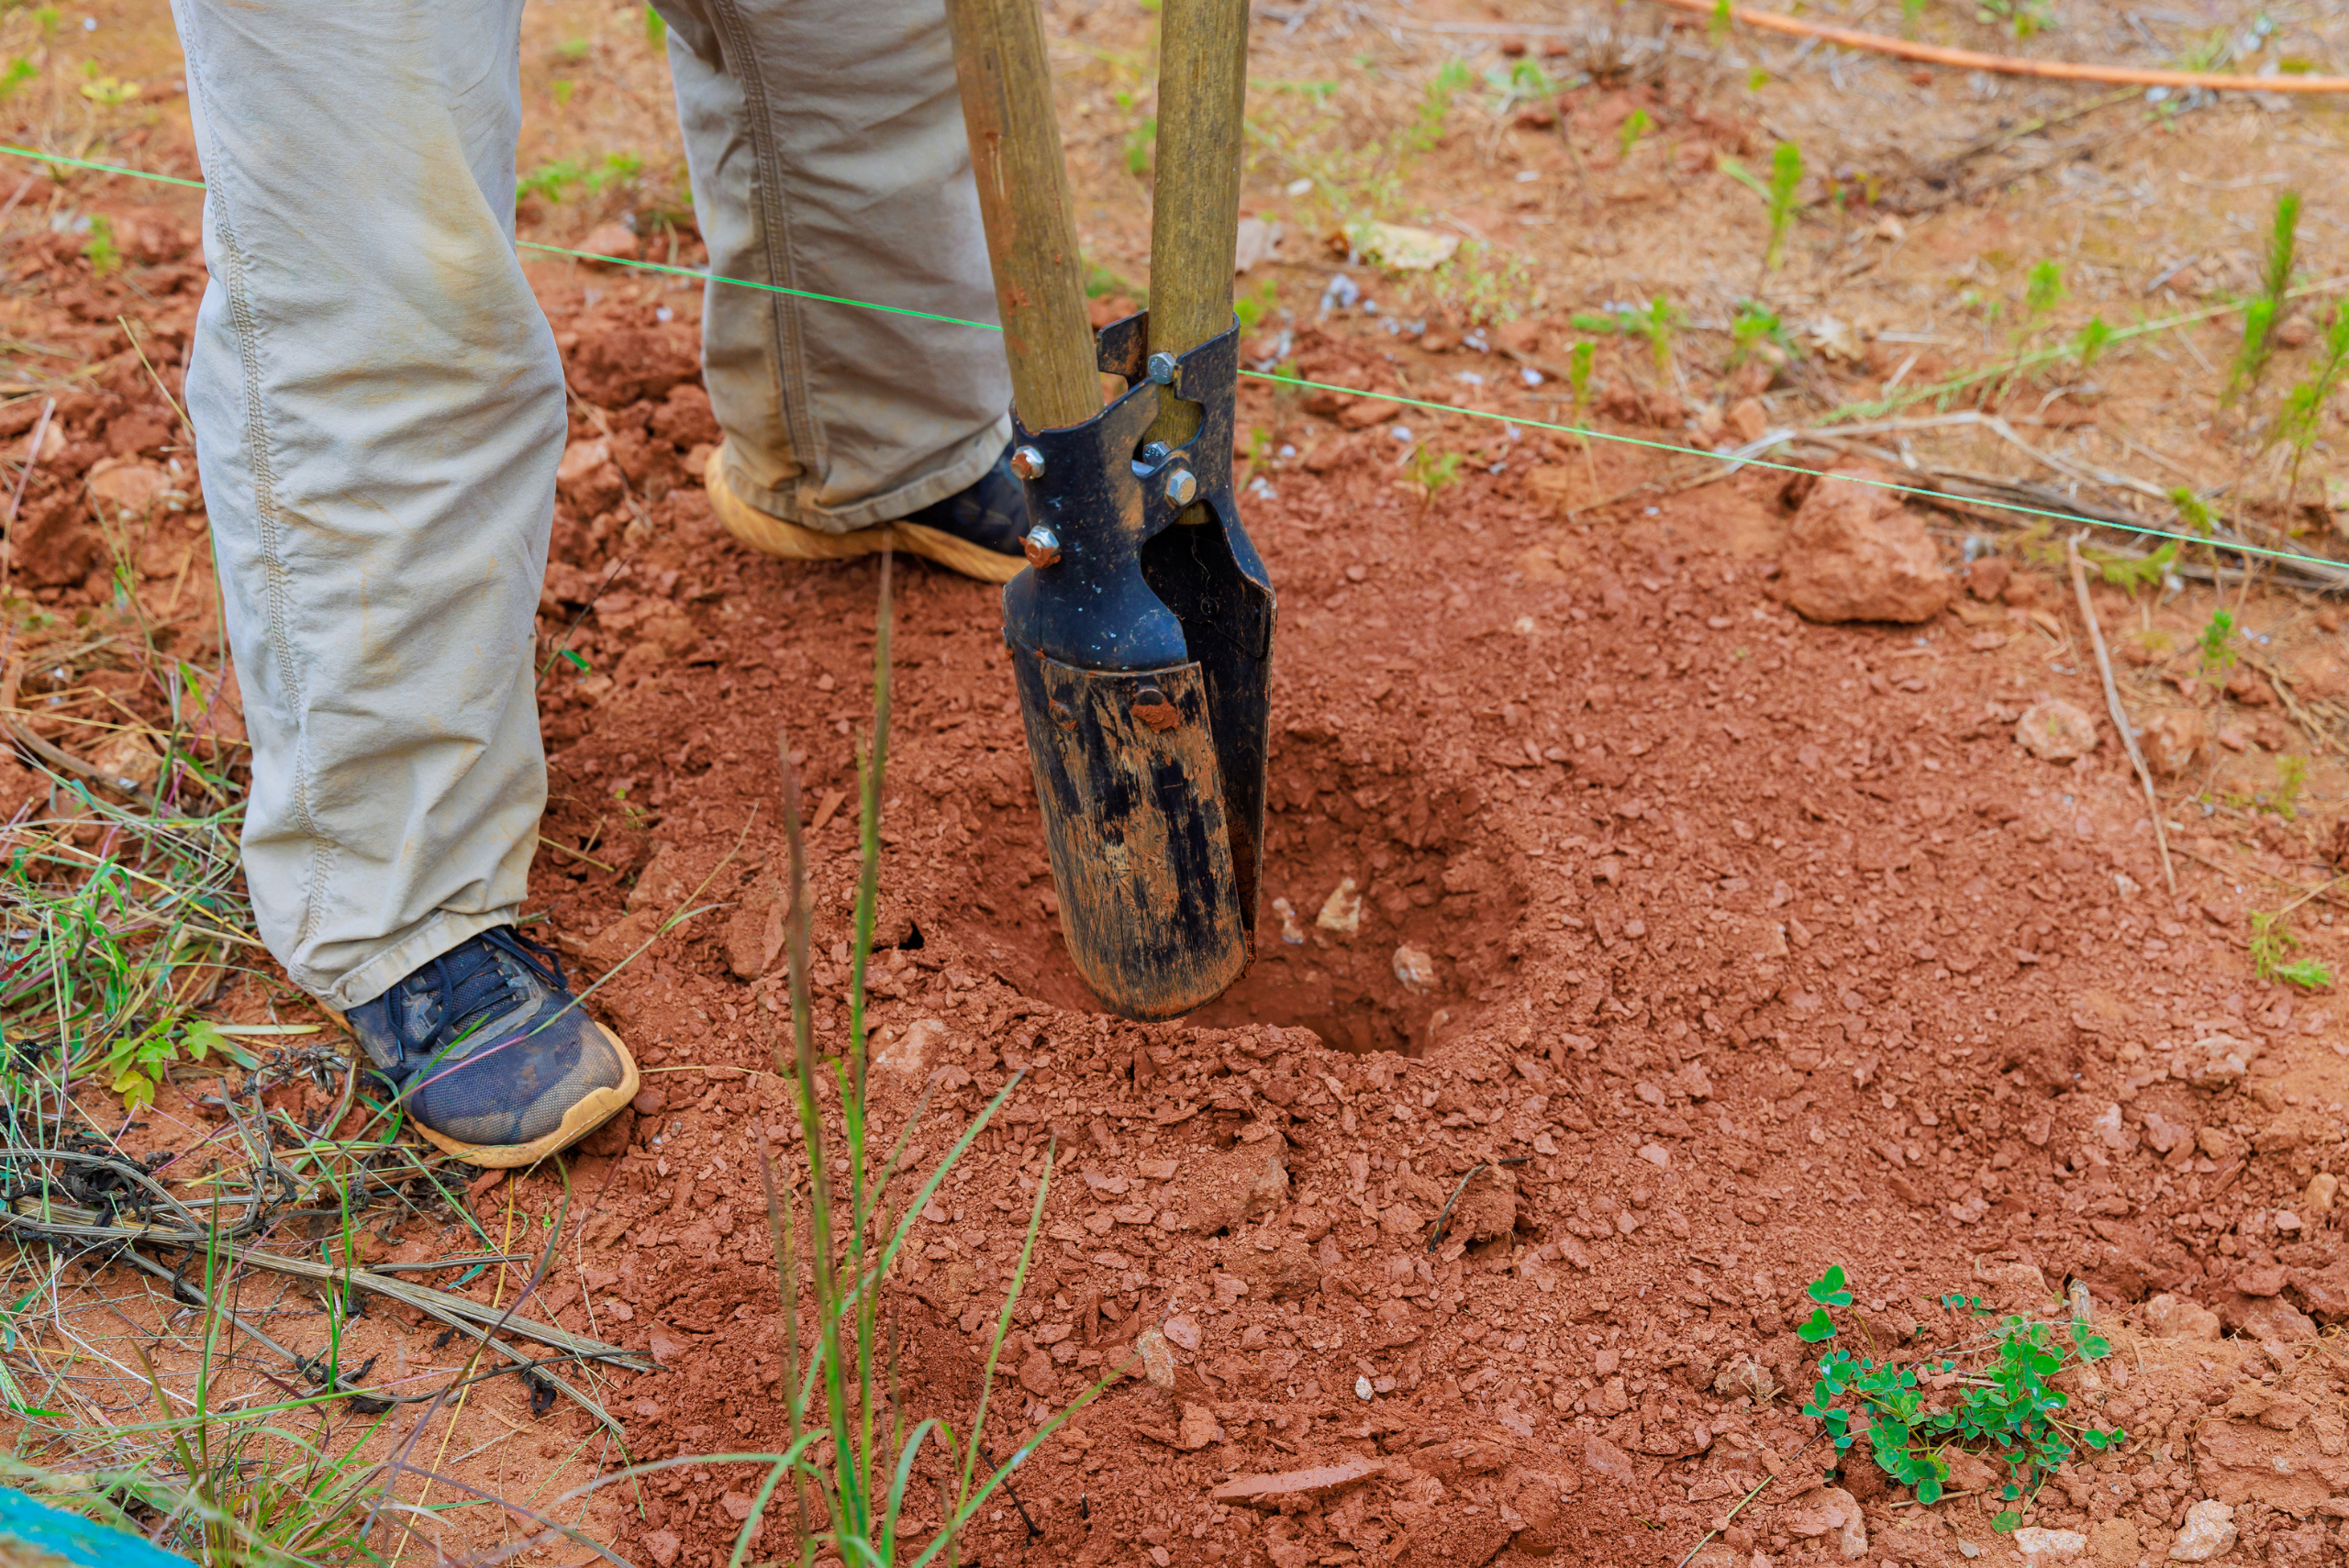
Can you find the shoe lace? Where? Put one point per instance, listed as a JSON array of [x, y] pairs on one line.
[[471, 986]]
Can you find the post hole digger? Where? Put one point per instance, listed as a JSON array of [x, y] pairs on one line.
[[1141, 630]]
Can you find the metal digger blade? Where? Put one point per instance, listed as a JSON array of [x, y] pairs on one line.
[[1142, 643]]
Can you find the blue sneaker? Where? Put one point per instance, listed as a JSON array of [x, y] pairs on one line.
[[492, 1057]]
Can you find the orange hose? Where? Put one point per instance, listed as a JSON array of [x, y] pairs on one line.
[[2014, 65]]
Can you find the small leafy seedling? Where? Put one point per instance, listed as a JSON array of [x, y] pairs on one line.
[[2273, 943], [2003, 1403], [1434, 472], [100, 248], [2305, 405], [1656, 324], [1777, 195]]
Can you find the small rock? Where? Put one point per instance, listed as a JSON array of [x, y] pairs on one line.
[[2054, 730], [2174, 1318], [1247, 1179], [1415, 969], [2210, 1533], [1830, 1511], [127, 489], [2285, 1413], [2038, 1545], [1321, 1481], [2255, 1281], [1157, 1357], [1854, 552], [1197, 1429], [1362, 1389], [2214, 1061], [2322, 1188], [1986, 578], [1183, 1330], [1749, 419], [663, 1546], [1743, 1378], [2171, 741], [1603, 1458], [1342, 911], [2114, 1544], [612, 239]]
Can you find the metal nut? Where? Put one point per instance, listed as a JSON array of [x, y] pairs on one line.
[[1027, 462], [1041, 546], [1162, 369], [1181, 486]]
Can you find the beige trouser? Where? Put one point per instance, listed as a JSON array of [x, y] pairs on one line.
[[378, 402]]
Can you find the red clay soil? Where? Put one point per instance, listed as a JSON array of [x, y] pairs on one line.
[[1708, 947]]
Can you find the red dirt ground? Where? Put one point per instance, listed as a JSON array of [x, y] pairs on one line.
[[1745, 946]]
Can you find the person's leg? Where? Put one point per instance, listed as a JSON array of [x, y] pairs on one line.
[[378, 408], [826, 143]]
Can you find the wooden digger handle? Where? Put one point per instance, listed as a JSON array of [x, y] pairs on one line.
[[1024, 202], [1195, 221]]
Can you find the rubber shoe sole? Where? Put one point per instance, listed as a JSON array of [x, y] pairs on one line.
[[770, 535], [592, 1112]]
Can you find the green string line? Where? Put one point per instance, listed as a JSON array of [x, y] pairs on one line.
[[1923, 493]]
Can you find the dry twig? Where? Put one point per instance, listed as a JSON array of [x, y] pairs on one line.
[[2112, 702]]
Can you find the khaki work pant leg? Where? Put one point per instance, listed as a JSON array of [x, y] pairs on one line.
[[826, 144], [378, 410]]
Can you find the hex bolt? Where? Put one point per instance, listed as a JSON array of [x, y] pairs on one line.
[[1027, 462], [1155, 452], [1041, 546], [1181, 486], [1162, 369]]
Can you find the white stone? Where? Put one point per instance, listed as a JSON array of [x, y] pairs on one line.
[[2210, 1533], [2038, 1545]]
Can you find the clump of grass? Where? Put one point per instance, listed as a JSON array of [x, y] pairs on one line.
[[2273, 944], [2021, 17], [2001, 1400], [1433, 472], [553, 180], [1659, 323], [1253, 305], [2265, 309], [851, 1444]]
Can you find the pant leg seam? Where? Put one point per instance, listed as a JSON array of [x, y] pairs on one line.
[[270, 524], [785, 340]]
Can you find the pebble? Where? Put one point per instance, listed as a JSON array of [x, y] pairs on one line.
[[2038, 1545], [1415, 969], [1342, 911], [2210, 1533], [2054, 730], [1362, 1389]]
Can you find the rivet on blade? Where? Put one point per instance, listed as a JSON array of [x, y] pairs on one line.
[[1027, 462], [1041, 546], [1162, 369]]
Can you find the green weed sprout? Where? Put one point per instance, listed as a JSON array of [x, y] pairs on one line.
[[20, 71], [1433, 472], [1258, 303], [1451, 80], [1656, 324], [1627, 135], [562, 87], [100, 248], [2005, 1404], [2092, 341], [2042, 291], [2305, 405], [2273, 943], [1777, 195], [2131, 573], [656, 30], [2265, 308], [1754, 325], [1578, 367], [574, 48], [2021, 17], [1142, 145], [1521, 81], [48, 17], [2218, 647], [2291, 774]]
